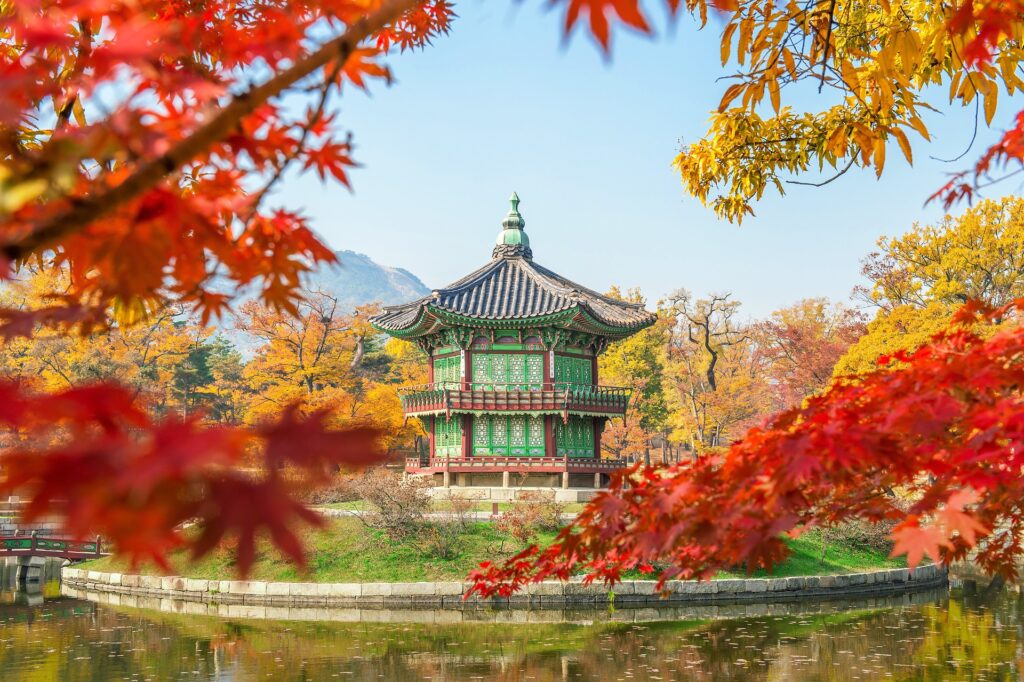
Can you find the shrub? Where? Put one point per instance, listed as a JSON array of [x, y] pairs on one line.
[[342, 488], [460, 509], [398, 504], [861, 534], [441, 539], [531, 513], [549, 510]]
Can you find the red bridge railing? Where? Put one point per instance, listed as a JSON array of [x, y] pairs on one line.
[[35, 545]]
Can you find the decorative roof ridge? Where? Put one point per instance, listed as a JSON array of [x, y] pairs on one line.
[[394, 307], [470, 279], [551, 279], [580, 289]]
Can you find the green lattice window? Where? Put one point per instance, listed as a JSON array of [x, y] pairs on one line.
[[447, 437], [447, 372], [503, 436], [503, 371], [575, 438], [573, 371]]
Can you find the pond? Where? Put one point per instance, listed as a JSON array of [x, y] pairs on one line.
[[955, 634]]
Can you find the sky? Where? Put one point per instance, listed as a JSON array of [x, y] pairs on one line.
[[504, 104]]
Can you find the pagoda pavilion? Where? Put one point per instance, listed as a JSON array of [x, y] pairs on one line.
[[514, 388]]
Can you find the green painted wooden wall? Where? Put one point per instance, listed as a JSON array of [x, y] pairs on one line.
[[508, 436], [448, 436]]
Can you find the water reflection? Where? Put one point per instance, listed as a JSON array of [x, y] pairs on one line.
[[933, 636]]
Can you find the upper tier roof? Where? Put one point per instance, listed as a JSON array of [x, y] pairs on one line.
[[515, 289]]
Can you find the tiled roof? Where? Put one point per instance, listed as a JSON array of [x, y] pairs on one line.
[[513, 287]]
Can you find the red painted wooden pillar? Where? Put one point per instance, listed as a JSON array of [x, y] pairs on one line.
[[598, 430], [549, 436], [548, 383], [431, 428]]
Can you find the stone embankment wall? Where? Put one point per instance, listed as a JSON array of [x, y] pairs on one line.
[[11, 508], [546, 594]]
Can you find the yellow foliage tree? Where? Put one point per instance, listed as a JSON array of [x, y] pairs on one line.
[[921, 277], [713, 371], [324, 358], [879, 65], [145, 356], [636, 363]]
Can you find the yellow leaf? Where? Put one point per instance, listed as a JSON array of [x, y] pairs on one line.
[[79, 112], [879, 156], [849, 73], [991, 98], [837, 141], [918, 125], [727, 42], [787, 59], [954, 85], [746, 29], [904, 143], [731, 93]]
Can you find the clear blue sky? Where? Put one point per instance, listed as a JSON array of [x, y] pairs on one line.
[[502, 104]]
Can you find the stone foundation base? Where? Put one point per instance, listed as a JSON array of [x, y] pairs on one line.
[[496, 494]]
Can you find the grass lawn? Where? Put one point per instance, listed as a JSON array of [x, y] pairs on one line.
[[444, 505], [348, 551], [806, 559]]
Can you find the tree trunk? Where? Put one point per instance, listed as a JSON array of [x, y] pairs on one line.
[[357, 357]]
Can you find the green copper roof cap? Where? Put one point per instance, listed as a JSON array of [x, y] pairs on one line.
[[512, 241]]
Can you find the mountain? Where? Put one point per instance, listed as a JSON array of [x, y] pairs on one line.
[[358, 279], [355, 280]]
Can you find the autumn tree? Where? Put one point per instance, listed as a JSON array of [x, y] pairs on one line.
[[918, 280], [408, 363], [160, 360], [636, 363], [877, 67], [801, 345], [322, 357], [300, 354], [713, 370]]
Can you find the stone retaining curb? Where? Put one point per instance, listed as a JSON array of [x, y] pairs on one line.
[[583, 614], [565, 517], [546, 594]]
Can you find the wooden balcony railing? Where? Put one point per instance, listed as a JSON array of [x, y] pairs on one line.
[[449, 397], [524, 463]]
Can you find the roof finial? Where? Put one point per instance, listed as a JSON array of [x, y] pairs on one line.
[[513, 221], [512, 240]]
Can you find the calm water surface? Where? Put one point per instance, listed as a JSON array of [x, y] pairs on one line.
[[939, 635]]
